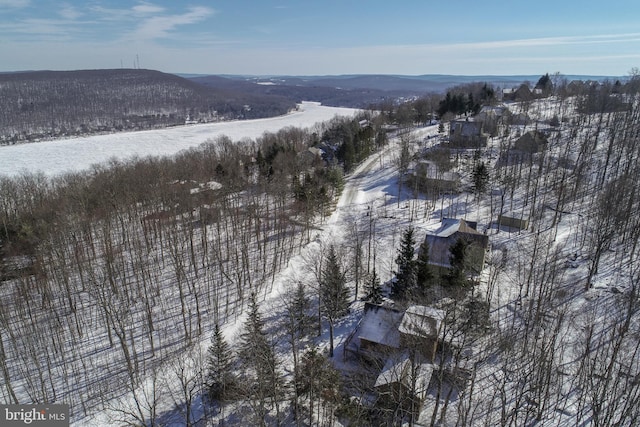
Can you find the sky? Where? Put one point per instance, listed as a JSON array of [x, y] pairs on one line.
[[323, 37]]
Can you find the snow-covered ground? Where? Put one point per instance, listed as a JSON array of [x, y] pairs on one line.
[[370, 193], [371, 200], [75, 154]]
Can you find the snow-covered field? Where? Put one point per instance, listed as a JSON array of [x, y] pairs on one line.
[[75, 154]]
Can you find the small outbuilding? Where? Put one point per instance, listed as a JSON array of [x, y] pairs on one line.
[[431, 180], [513, 220]]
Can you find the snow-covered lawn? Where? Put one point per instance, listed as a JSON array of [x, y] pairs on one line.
[[75, 154]]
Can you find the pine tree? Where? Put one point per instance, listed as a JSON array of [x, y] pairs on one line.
[[318, 380], [374, 289], [406, 274], [334, 295], [221, 380], [348, 152], [457, 275], [253, 336], [298, 310], [263, 380], [480, 178], [299, 324], [424, 274], [545, 84]]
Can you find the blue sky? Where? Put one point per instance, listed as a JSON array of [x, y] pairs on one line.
[[264, 37]]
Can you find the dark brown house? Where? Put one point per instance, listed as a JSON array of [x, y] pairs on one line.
[[467, 134], [441, 240], [531, 142]]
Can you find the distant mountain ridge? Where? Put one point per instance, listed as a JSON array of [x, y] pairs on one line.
[[52, 104], [361, 90], [418, 84], [41, 105]]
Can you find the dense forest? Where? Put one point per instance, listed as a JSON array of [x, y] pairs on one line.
[[48, 104], [116, 278]]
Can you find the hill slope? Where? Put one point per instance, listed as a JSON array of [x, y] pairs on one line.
[[299, 89], [48, 104]]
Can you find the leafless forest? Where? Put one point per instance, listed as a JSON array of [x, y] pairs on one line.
[[145, 256]]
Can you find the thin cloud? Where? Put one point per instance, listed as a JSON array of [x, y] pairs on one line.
[[126, 15], [474, 49], [571, 59], [14, 4], [549, 41], [39, 27], [161, 26], [69, 12], [142, 22], [148, 8]]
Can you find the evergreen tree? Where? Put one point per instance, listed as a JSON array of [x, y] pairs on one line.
[[457, 275], [480, 177], [263, 380], [347, 153], [253, 336], [473, 106], [298, 310], [487, 94], [334, 295], [221, 380], [374, 289], [298, 325], [424, 275], [318, 380], [406, 274], [545, 84]]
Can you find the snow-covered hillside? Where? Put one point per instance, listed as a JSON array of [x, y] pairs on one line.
[[554, 340]]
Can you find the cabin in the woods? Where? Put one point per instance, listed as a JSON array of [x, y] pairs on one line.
[[430, 179], [404, 381], [492, 118], [531, 142], [442, 239], [467, 134], [384, 331], [402, 346]]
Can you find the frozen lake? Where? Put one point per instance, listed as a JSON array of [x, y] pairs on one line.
[[66, 155]]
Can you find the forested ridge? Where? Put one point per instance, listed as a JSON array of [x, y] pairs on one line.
[[54, 104]]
